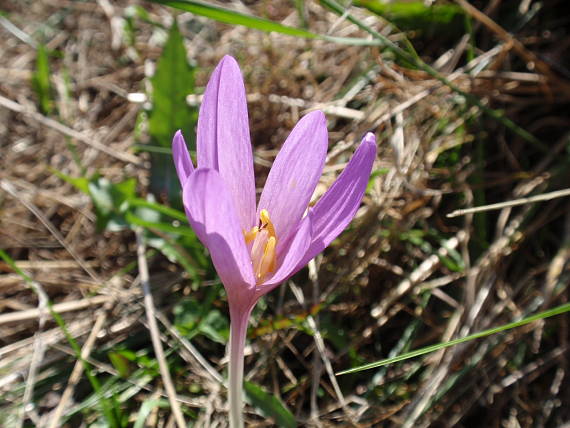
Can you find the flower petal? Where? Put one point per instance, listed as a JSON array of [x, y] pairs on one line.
[[223, 141], [336, 208], [182, 160], [295, 174], [213, 217], [292, 257]]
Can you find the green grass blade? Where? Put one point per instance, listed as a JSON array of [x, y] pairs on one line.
[[432, 348], [163, 209], [228, 16], [109, 406], [133, 219], [415, 60], [269, 405], [147, 407], [41, 80], [231, 17]]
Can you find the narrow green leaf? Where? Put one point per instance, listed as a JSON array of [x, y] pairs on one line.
[[171, 83], [269, 405], [549, 313], [231, 17], [41, 80], [146, 408], [173, 252], [80, 183], [133, 219], [120, 363], [235, 18], [412, 58], [431, 20], [171, 212]]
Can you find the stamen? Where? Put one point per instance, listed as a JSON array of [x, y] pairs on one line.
[[269, 257], [258, 252], [263, 242], [250, 236], [266, 222]]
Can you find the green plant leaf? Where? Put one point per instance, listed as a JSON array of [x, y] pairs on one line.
[[432, 348], [171, 83], [41, 80], [146, 408], [109, 405], [193, 317], [409, 56], [269, 406], [171, 212], [120, 363], [157, 225], [80, 183], [111, 201], [431, 20], [229, 16]]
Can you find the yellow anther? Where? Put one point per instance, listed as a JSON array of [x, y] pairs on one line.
[[266, 222], [250, 236], [268, 259], [263, 241]]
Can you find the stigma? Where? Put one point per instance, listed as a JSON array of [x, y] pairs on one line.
[[262, 241]]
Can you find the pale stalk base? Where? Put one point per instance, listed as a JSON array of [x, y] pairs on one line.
[[238, 330]]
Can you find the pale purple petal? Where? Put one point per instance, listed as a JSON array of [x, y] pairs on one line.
[[295, 174], [213, 217], [182, 160], [223, 141], [336, 208], [291, 258]]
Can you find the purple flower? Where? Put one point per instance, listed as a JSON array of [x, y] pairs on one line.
[[255, 248]]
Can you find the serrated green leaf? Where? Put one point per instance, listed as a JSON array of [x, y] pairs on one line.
[[269, 406], [171, 83]]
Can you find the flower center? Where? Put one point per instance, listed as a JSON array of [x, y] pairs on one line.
[[261, 241]]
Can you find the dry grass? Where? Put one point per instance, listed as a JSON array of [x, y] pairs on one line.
[[401, 277]]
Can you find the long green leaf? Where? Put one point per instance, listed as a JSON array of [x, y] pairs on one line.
[[41, 80], [414, 59], [269, 406], [147, 407], [549, 313], [163, 209], [133, 219], [232, 17], [171, 83]]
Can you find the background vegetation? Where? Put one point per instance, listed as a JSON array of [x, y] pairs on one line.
[[470, 106]]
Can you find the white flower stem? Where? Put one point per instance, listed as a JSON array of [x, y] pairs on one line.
[[238, 330]]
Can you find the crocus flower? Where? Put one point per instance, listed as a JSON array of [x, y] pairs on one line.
[[255, 248]]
